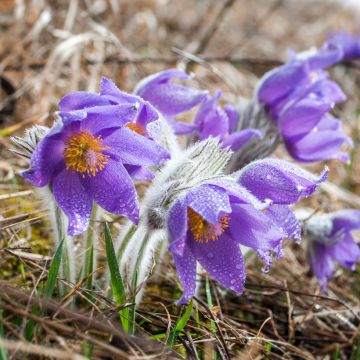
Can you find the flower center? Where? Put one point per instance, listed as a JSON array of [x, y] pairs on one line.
[[136, 127], [204, 231], [83, 153]]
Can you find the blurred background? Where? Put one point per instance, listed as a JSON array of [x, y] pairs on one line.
[[48, 48]]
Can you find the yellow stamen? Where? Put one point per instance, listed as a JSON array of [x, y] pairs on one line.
[[204, 231], [136, 127], [83, 153]]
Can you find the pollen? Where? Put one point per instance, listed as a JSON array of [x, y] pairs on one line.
[[136, 127], [204, 231], [84, 154]]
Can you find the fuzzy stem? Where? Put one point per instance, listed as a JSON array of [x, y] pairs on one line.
[[67, 269], [90, 252]]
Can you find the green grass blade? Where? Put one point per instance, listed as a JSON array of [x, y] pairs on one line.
[[132, 309], [3, 353], [117, 283], [53, 272], [180, 325]]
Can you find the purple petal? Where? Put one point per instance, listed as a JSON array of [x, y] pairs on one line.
[[139, 173], [279, 181], [233, 116], [253, 228], [186, 269], [73, 199], [216, 123], [239, 139], [349, 44], [209, 201], [171, 99], [177, 227], [320, 263], [46, 158], [135, 149], [112, 116], [299, 119], [279, 82], [346, 252], [113, 189], [324, 58], [222, 259], [318, 146], [345, 220], [285, 219], [81, 99], [146, 84], [181, 128]]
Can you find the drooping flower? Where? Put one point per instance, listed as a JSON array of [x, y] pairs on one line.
[[83, 157], [349, 44], [209, 222], [170, 99], [330, 241], [298, 97], [212, 120]]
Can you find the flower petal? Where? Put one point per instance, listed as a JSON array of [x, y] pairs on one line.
[[73, 199], [279, 181], [345, 220], [320, 263], [78, 100], [346, 252], [239, 139], [209, 201], [222, 259], [139, 173], [113, 189], [186, 269], [135, 149], [233, 116], [177, 227]]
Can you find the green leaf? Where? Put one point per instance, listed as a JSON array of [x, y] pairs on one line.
[[3, 353], [53, 272], [117, 283], [180, 325]]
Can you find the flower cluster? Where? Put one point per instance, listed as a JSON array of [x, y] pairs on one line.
[[221, 191]]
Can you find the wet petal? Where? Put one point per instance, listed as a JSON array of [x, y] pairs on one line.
[[177, 227], [139, 173], [233, 116], [279, 181], [113, 189], [223, 260], [345, 220], [73, 199], [78, 100], [135, 149], [209, 201], [186, 269]]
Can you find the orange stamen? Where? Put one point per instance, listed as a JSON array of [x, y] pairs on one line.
[[83, 153], [204, 231], [136, 127]]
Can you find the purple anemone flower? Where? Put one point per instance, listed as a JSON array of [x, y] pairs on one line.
[[349, 44], [169, 98], [209, 222], [298, 97], [330, 241], [84, 155], [212, 120]]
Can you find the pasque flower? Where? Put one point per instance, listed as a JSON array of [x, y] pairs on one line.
[[299, 97], [209, 222], [170, 98], [349, 44], [330, 241], [83, 157], [212, 120]]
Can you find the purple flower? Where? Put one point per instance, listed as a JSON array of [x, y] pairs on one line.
[[298, 97], [330, 241], [212, 120], [209, 222], [84, 155], [169, 98], [349, 44]]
